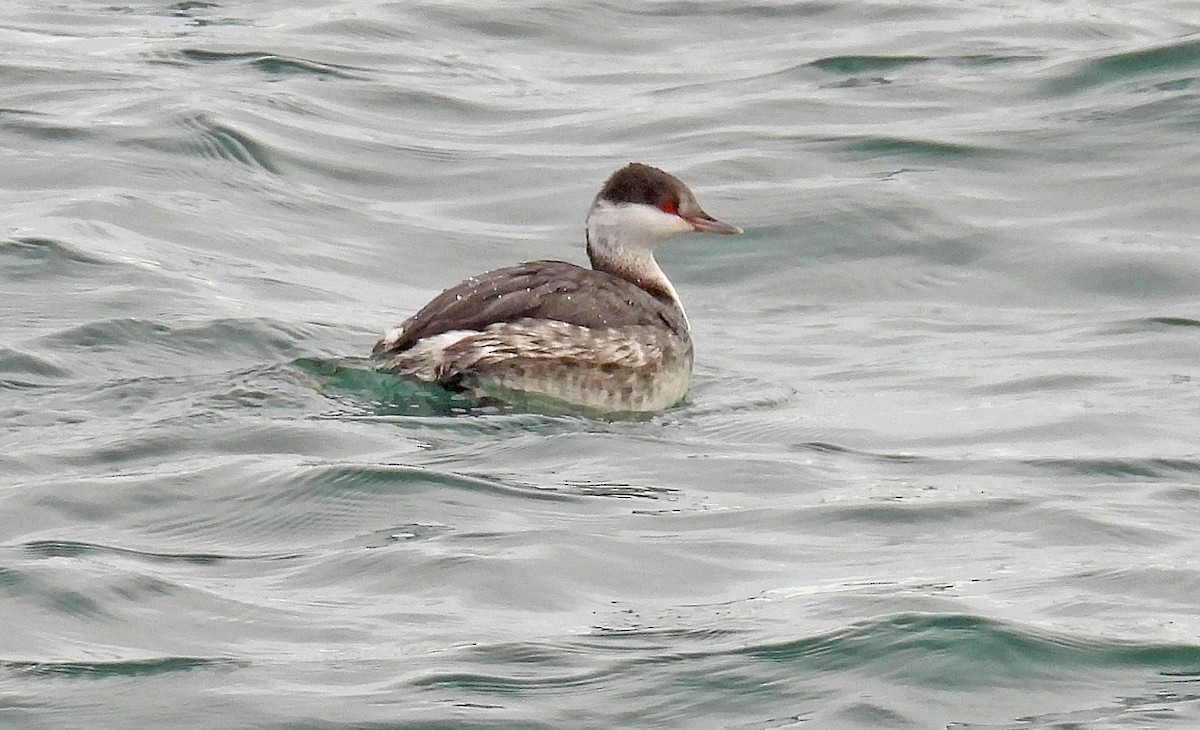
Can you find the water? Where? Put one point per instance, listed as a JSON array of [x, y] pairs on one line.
[[939, 467]]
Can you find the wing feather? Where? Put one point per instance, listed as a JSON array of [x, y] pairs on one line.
[[541, 290]]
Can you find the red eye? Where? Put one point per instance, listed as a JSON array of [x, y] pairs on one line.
[[669, 207]]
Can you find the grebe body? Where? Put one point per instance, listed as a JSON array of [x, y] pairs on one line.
[[610, 338]]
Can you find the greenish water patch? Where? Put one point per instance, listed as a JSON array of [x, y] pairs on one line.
[[117, 668], [1124, 67], [1171, 322], [75, 549], [355, 382], [46, 258], [1128, 468], [920, 149], [24, 364], [964, 650], [269, 64], [862, 64]]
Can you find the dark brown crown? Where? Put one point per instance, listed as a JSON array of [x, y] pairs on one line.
[[638, 183]]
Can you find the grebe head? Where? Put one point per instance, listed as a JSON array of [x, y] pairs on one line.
[[641, 206]]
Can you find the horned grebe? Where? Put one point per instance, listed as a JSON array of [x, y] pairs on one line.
[[611, 338]]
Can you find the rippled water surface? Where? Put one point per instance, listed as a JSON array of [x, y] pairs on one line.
[[940, 466]]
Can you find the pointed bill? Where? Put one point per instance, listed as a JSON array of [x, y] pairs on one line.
[[705, 223]]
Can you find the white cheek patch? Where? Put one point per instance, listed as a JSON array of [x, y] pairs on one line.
[[634, 222]]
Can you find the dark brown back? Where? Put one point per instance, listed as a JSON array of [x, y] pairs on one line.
[[553, 290]]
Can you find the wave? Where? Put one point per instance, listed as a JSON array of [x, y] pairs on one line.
[[125, 668]]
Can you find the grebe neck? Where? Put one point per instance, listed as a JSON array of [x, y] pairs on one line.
[[621, 240], [633, 265]]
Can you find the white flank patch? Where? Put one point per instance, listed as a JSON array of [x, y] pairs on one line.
[[392, 337], [433, 347]]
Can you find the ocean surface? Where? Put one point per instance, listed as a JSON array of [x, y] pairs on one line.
[[939, 468]]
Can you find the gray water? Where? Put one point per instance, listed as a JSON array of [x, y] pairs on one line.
[[939, 466]]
